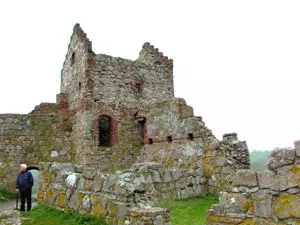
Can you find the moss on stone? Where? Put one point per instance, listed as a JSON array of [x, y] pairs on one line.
[[208, 170], [49, 197], [61, 200], [287, 206], [249, 221]]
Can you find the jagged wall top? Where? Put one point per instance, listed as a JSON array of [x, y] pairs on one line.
[[113, 81], [151, 55], [81, 35]]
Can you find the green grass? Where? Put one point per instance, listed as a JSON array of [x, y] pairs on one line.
[[191, 211], [5, 195], [3, 217], [47, 215]]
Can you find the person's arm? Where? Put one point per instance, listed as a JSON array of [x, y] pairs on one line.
[[31, 181]]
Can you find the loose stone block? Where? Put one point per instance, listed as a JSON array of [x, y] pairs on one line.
[[267, 179], [280, 157], [245, 178]]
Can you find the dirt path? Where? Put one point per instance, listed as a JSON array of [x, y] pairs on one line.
[[8, 214]]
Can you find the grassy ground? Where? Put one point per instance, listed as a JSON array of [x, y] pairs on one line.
[[3, 218], [183, 212], [5, 195], [47, 215], [191, 211]]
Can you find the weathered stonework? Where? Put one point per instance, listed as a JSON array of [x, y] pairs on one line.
[[31, 139], [121, 139], [122, 198], [268, 197]]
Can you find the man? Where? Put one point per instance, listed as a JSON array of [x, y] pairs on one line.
[[24, 187]]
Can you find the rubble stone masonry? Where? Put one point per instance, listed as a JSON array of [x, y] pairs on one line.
[[117, 141], [269, 197], [31, 139]]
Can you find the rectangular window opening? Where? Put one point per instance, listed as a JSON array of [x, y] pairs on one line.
[[142, 122], [150, 140], [169, 139], [191, 136], [104, 131]]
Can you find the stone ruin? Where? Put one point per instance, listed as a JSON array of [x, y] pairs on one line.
[[117, 141], [269, 197]]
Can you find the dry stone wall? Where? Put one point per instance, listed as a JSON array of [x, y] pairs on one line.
[[268, 197], [125, 197], [31, 139], [238, 151]]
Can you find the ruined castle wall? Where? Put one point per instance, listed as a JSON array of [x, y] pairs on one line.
[[121, 198], [181, 141], [73, 74], [268, 197], [99, 85], [61, 107], [125, 137], [74, 85], [118, 82], [31, 139]]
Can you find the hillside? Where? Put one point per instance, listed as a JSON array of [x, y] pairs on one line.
[[258, 159]]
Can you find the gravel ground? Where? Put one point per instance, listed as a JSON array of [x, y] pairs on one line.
[[8, 214]]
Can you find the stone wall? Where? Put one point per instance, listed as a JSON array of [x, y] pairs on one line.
[[121, 83], [268, 197], [58, 108], [125, 197], [114, 81], [238, 151], [179, 140], [31, 139], [99, 85]]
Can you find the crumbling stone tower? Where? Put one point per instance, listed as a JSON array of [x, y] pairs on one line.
[[107, 97], [113, 113], [117, 140]]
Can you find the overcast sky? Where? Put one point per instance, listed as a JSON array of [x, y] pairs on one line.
[[237, 63]]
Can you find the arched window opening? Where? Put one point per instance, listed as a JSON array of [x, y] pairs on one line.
[[105, 131]]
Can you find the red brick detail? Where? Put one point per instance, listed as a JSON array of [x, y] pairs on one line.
[[45, 108], [113, 128], [63, 105], [140, 116], [59, 108]]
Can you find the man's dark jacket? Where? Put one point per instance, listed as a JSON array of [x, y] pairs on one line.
[[24, 181]]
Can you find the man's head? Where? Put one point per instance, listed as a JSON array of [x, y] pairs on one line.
[[23, 167]]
